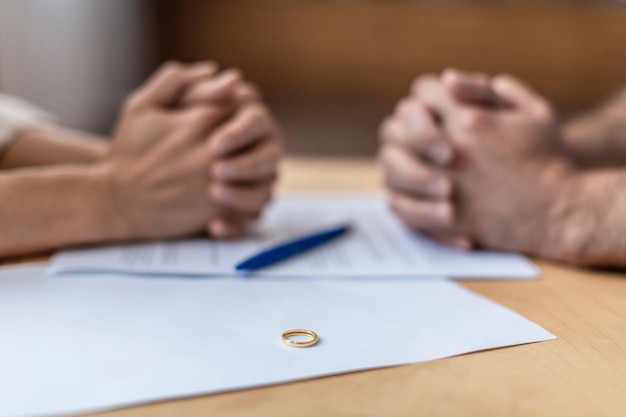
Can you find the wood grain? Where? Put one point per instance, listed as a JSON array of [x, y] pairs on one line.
[[370, 50], [333, 69], [580, 374]]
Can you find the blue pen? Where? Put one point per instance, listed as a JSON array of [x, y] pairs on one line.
[[291, 248]]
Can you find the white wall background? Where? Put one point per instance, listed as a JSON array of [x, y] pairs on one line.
[[75, 58]]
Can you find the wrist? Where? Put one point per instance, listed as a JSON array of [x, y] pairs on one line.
[[571, 225], [597, 139], [580, 137], [111, 223]]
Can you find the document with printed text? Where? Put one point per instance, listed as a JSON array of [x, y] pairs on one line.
[[379, 245]]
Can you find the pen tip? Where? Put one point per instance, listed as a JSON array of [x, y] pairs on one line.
[[242, 271]]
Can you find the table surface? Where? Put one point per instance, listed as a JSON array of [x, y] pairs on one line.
[[582, 373]]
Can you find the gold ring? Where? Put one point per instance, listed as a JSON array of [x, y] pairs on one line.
[[300, 332]]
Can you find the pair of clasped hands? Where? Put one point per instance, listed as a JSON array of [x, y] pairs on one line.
[[194, 150], [477, 161]]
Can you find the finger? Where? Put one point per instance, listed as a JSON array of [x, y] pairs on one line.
[[423, 215], [169, 83], [225, 229], [415, 85], [471, 88], [258, 164], [405, 173], [195, 123], [214, 90], [392, 130], [247, 92], [247, 200], [230, 215], [520, 95], [433, 94], [250, 125], [460, 121], [454, 241], [416, 128]]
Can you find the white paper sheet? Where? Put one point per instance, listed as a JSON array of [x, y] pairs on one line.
[[74, 345], [379, 246]]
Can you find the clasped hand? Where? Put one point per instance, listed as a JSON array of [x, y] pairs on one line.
[[193, 151], [476, 162]]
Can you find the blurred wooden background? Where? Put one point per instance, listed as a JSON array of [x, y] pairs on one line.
[[333, 69]]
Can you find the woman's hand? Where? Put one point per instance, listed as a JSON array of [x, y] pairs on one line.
[[177, 170]]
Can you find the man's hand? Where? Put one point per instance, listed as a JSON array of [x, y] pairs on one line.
[[164, 162], [484, 171]]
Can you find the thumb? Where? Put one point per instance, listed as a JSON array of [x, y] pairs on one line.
[[224, 229], [170, 82], [517, 93], [471, 88], [213, 90]]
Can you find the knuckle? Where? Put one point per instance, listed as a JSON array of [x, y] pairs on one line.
[[423, 135], [386, 156], [249, 166], [197, 115], [221, 193], [544, 111], [420, 82], [236, 131], [237, 72], [425, 141], [480, 77], [251, 91], [404, 107], [133, 102], [172, 67], [504, 79], [449, 74], [472, 119], [449, 70], [385, 130], [260, 166], [259, 114], [222, 170], [433, 186]]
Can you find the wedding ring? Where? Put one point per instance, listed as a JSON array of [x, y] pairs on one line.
[[313, 338]]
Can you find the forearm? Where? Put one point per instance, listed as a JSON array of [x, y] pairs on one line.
[[51, 146], [598, 138], [47, 208]]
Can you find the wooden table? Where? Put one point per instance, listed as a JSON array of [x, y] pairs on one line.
[[583, 373]]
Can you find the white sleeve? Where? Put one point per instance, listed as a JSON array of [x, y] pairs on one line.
[[16, 115]]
